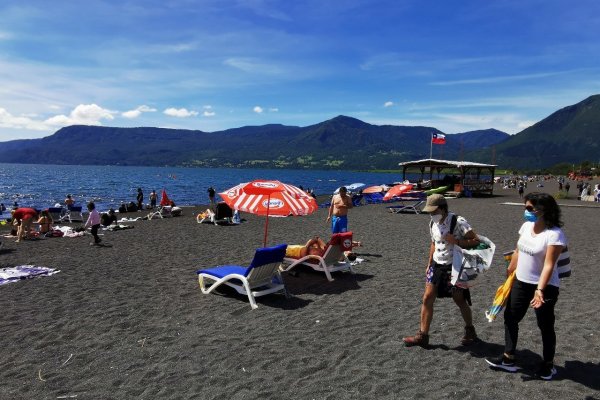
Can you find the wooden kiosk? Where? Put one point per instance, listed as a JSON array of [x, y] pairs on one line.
[[466, 178]]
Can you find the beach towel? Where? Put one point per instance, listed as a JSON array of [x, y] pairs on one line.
[[500, 298], [119, 227], [467, 264], [68, 231], [130, 219], [13, 274]]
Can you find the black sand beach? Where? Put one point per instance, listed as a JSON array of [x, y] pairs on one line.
[[128, 321]]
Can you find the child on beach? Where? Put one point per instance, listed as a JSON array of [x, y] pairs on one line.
[[93, 221]]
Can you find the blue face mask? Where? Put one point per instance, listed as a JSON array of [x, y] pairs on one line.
[[530, 216]]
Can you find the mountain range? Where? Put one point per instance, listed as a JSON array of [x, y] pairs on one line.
[[569, 135]]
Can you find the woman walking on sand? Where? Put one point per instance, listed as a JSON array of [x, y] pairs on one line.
[[536, 285]]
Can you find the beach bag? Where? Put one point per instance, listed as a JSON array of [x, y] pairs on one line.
[[563, 264], [468, 264]]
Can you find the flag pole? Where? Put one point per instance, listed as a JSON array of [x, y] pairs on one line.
[[267, 222], [431, 147]]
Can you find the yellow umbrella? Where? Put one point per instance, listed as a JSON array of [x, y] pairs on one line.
[[501, 294]]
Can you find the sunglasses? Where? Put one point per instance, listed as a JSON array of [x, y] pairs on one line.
[[530, 208]]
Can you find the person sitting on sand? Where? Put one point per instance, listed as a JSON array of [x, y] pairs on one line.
[[109, 218], [23, 217], [45, 221]]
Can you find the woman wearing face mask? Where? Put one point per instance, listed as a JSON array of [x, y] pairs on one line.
[[439, 267], [536, 284]]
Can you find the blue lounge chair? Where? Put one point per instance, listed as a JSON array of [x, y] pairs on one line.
[[260, 278], [56, 213], [73, 214], [373, 198]]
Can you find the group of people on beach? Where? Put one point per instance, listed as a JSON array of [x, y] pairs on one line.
[[533, 263], [536, 282], [23, 218]]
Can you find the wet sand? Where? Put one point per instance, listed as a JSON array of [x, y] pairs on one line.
[[127, 320]]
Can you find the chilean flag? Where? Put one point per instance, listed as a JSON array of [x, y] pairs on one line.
[[438, 138]]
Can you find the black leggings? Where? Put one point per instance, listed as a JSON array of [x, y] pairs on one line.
[[516, 308], [95, 233]]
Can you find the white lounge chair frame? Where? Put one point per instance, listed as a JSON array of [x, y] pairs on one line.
[[265, 277], [73, 214], [161, 212], [56, 213], [334, 258], [408, 203]]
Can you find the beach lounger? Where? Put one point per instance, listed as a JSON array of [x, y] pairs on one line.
[[411, 202], [73, 214], [56, 213], [327, 204], [333, 258], [357, 200], [161, 212], [373, 198], [261, 277]]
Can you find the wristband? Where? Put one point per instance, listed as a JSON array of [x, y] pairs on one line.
[[541, 290]]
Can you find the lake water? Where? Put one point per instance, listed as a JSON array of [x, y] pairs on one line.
[[42, 186]]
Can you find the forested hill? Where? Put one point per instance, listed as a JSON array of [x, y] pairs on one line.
[[342, 142], [570, 135]]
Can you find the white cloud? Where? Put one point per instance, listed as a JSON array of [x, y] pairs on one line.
[[525, 124], [137, 111], [501, 79], [180, 112], [273, 109], [258, 109], [7, 120], [251, 65], [83, 114], [208, 111], [388, 104]]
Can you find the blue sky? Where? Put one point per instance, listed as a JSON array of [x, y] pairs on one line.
[[456, 65]]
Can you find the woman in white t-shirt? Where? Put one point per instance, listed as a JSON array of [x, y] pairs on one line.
[[536, 282]]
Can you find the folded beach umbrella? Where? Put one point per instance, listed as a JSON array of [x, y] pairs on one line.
[[374, 189], [500, 299], [269, 198], [353, 187], [164, 199], [397, 191]]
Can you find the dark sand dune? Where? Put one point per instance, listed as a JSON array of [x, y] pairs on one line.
[[127, 320]]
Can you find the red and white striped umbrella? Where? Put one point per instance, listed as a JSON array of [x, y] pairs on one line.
[[269, 198]]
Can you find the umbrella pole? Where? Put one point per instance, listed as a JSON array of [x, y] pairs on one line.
[[267, 223]]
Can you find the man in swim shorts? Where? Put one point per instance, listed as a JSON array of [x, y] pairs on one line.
[[338, 211]]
